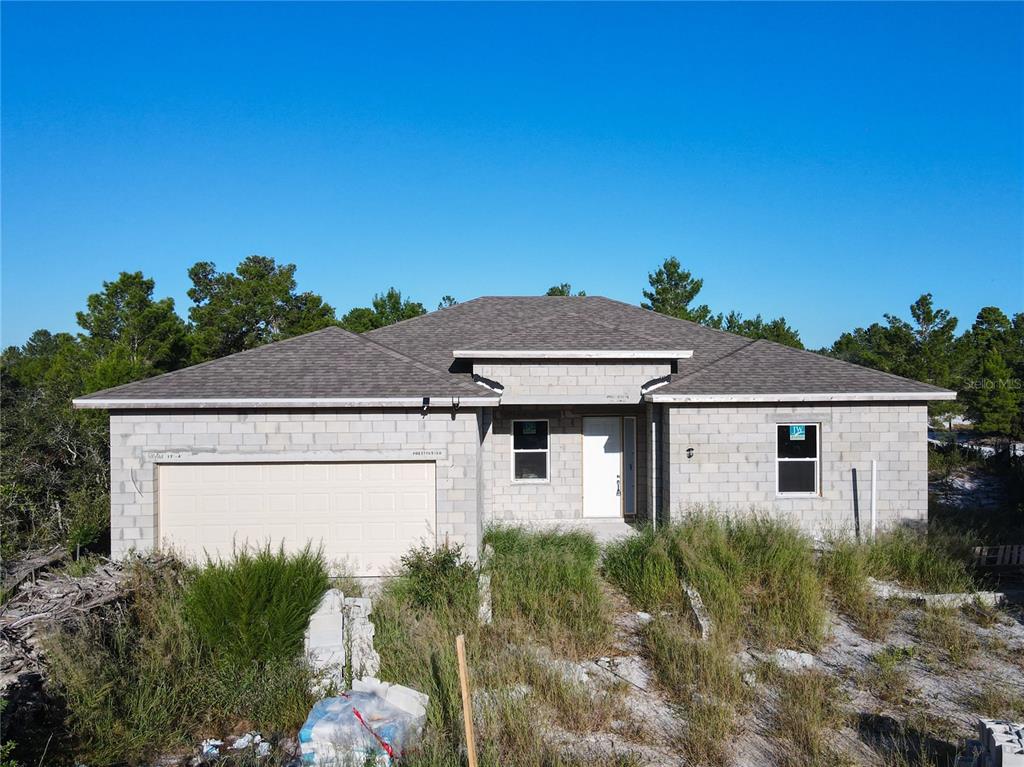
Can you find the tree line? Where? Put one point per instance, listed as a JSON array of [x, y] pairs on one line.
[[54, 466]]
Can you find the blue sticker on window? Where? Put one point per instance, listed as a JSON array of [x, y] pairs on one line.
[[797, 433]]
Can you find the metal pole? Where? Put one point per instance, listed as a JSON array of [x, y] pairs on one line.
[[874, 496]]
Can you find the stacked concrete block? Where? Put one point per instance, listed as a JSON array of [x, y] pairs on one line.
[[359, 632], [325, 639], [1000, 744]]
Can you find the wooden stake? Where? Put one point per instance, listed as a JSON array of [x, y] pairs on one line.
[[467, 705]]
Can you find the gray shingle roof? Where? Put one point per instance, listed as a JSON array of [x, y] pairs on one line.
[[327, 364], [413, 359], [766, 368], [549, 322], [722, 363]]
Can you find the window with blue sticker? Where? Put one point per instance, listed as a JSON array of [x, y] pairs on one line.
[[797, 464]]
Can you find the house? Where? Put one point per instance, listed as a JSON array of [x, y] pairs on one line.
[[542, 410]]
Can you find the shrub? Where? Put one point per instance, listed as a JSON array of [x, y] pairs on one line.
[[432, 578], [256, 606], [544, 585]]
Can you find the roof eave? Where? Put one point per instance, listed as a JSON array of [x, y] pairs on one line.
[[666, 397], [231, 403]]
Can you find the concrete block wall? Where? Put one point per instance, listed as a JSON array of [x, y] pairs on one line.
[[343, 434], [561, 497], [733, 466], [571, 380]]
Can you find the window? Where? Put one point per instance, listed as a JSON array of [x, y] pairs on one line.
[[530, 451], [797, 459]]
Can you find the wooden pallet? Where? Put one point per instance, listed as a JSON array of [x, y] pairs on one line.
[[999, 556]]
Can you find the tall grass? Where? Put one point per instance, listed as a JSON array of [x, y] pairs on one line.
[[755, 575], [537, 579], [140, 681], [544, 586], [702, 679], [256, 605], [933, 562], [807, 714]]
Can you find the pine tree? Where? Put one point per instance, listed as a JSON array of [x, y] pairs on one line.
[[672, 291], [993, 402]]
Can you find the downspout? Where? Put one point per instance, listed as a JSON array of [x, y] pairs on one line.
[[654, 469]]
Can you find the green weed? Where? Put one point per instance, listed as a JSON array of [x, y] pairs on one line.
[[255, 606]]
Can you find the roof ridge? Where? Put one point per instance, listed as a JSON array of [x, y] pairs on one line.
[[691, 323]]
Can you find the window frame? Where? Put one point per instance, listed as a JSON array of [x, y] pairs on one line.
[[816, 460], [513, 451]]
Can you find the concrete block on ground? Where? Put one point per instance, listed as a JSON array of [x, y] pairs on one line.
[[701, 617], [359, 631], [325, 639]]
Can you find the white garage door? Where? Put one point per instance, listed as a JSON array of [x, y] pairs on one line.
[[366, 515]]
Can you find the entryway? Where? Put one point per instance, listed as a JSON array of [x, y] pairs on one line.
[[609, 466]]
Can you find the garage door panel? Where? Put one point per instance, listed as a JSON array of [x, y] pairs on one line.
[[367, 514]]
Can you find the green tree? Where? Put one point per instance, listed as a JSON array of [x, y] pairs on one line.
[[564, 289], [388, 308], [54, 468], [777, 330], [135, 335], [673, 290], [252, 306], [446, 301], [993, 400]]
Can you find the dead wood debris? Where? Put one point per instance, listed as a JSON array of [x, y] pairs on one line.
[[42, 598]]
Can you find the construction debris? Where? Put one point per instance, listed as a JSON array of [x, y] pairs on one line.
[[359, 631], [1000, 744], [886, 590], [371, 724], [43, 599], [325, 641], [701, 617]]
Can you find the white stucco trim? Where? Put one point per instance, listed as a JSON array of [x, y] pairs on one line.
[[573, 354], [338, 402], [808, 397]]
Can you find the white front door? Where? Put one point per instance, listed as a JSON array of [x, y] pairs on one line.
[[602, 466]]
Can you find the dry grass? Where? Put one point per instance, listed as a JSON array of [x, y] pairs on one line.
[[808, 711], [944, 630], [887, 677], [998, 699], [701, 677]]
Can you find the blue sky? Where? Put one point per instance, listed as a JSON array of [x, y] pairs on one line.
[[825, 162]]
